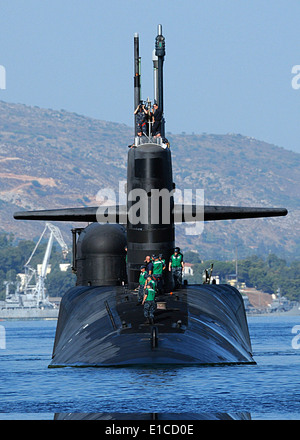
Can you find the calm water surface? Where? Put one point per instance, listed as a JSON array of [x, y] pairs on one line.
[[268, 390]]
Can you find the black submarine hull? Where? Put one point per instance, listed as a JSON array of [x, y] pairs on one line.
[[104, 326]]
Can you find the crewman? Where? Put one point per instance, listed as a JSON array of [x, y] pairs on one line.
[[149, 304], [142, 280], [156, 118], [160, 256], [158, 272], [149, 265], [150, 281], [176, 266], [141, 119]]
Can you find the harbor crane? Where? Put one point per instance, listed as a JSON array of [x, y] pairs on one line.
[[34, 280]]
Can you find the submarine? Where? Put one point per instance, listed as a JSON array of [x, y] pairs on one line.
[[100, 322]]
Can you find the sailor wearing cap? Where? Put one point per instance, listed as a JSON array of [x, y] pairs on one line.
[[176, 266], [150, 281], [149, 304], [142, 280], [158, 272]]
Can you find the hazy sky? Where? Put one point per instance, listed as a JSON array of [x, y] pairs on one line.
[[228, 67]]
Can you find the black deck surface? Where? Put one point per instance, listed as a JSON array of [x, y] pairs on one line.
[[171, 315]]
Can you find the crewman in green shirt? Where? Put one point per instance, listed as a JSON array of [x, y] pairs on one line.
[[142, 279], [149, 304], [176, 266], [164, 270], [158, 272], [150, 281], [160, 256]]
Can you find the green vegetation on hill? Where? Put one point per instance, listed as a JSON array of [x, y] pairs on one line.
[[267, 274]]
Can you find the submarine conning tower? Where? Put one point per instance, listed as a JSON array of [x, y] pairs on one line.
[[150, 203], [150, 225]]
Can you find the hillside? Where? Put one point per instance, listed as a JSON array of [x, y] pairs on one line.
[[52, 159]]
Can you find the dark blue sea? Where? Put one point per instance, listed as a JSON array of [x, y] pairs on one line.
[[268, 390]]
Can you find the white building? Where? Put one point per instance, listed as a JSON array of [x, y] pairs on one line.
[[188, 270], [64, 267]]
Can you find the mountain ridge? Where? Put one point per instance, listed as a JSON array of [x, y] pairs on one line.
[[55, 159]]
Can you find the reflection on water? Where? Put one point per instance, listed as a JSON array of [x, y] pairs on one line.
[[268, 390], [152, 416]]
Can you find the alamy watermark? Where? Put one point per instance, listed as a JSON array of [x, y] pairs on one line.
[[296, 78], [153, 207], [296, 339], [2, 78]]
